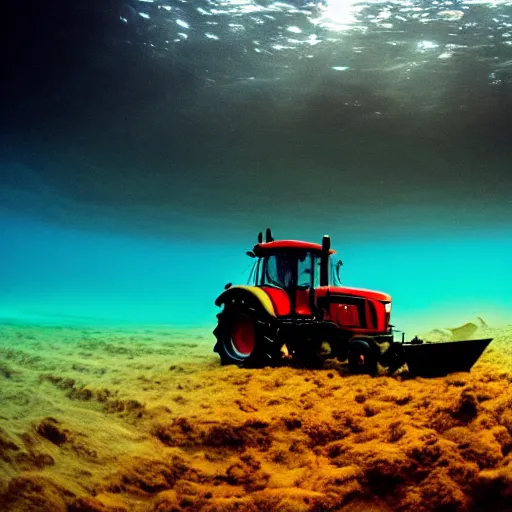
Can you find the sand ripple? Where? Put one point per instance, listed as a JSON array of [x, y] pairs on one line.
[[118, 420]]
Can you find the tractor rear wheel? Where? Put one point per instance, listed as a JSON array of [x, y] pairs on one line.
[[362, 356], [246, 337]]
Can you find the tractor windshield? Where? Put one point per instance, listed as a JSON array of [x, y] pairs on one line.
[[308, 267], [277, 270], [288, 269]]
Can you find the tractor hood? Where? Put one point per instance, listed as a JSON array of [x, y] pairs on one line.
[[355, 292]]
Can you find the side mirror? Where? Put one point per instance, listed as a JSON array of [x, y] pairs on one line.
[[250, 254], [228, 285]]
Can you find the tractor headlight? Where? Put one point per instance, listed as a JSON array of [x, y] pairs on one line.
[[387, 307]]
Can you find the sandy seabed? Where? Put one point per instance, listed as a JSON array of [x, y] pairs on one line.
[[147, 420]]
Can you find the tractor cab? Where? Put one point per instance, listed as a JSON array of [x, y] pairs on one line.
[[296, 268]]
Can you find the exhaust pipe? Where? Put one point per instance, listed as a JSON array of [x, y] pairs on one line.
[[324, 261], [268, 236]]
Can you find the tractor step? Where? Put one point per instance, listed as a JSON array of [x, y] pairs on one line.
[[441, 358]]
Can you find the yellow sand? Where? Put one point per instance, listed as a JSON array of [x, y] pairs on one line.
[[147, 420]]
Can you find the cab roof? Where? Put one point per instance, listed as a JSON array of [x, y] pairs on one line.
[[283, 245]]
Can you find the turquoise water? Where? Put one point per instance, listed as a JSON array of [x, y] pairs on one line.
[[56, 275], [143, 144]]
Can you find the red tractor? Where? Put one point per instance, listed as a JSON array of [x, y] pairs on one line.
[[295, 302]]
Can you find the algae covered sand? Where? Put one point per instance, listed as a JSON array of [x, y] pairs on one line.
[[147, 420]]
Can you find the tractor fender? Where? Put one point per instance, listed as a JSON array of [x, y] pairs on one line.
[[247, 291]]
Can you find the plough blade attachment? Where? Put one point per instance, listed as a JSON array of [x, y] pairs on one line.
[[439, 359]]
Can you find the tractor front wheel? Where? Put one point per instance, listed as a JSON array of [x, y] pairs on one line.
[[246, 337], [362, 356]]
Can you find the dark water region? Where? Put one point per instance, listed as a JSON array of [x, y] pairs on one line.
[[145, 143], [359, 116]]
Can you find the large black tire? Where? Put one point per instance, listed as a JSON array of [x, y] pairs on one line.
[[246, 336], [363, 356]]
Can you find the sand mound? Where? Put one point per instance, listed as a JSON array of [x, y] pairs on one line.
[[112, 420]]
